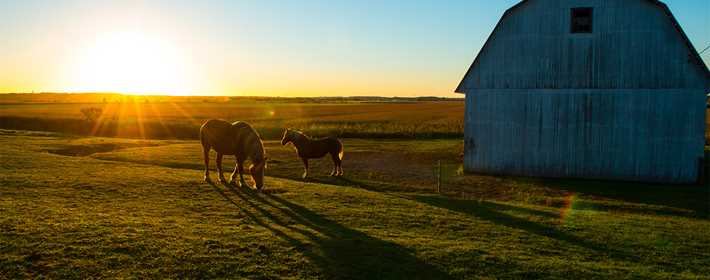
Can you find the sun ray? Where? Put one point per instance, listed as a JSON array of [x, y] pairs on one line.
[[109, 120], [98, 123], [121, 130], [159, 115], [139, 119], [182, 112]]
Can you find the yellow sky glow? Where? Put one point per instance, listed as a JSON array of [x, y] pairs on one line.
[[255, 48], [131, 62]]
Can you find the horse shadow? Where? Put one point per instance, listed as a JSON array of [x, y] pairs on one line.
[[337, 250]]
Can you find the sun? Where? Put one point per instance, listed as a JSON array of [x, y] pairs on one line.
[[132, 63]]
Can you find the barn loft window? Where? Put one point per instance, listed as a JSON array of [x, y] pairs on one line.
[[582, 20]]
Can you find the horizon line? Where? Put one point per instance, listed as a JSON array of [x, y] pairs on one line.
[[241, 96]]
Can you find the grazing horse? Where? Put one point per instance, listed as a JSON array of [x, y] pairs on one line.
[[238, 139], [308, 148]]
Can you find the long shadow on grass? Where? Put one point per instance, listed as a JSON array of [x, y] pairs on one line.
[[491, 211], [692, 198], [340, 252], [375, 186]]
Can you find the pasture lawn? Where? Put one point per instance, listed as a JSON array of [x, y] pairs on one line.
[[102, 207]]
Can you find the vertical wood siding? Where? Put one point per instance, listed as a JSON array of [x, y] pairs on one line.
[[639, 135], [624, 102], [634, 45]]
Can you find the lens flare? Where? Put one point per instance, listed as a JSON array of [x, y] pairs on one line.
[[567, 207]]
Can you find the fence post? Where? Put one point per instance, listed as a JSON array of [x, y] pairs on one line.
[[703, 170], [438, 178]]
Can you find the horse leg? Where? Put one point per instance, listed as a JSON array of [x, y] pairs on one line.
[[339, 167], [206, 153], [305, 168], [219, 169], [338, 158], [240, 166], [233, 179], [335, 164]]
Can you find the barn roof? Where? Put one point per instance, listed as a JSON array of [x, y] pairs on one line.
[[693, 52]]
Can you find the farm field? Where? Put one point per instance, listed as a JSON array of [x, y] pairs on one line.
[[180, 117], [80, 207]]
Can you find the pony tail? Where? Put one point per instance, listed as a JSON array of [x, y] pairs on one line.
[[203, 140], [342, 150]]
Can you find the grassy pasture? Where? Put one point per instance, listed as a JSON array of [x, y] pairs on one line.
[[78, 207]]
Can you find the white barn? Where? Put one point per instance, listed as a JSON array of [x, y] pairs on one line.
[[605, 89]]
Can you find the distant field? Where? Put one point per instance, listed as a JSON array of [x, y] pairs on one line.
[[119, 208], [164, 119]]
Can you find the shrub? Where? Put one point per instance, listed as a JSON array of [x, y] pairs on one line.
[[91, 114]]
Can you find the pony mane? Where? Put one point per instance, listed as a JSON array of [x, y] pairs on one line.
[[300, 134]]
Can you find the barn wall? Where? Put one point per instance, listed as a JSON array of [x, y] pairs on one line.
[[639, 135], [634, 45]]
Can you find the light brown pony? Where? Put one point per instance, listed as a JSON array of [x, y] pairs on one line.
[[308, 148], [238, 139]]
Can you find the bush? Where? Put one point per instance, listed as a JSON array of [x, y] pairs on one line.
[[91, 114]]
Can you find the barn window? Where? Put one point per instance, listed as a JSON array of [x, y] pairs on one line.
[[582, 20]]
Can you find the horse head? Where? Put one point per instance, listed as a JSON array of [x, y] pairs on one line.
[[257, 172]]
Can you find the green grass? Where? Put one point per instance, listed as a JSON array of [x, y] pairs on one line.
[[100, 207]]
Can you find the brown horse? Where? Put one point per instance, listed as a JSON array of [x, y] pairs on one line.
[[238, 139], [308, 148]]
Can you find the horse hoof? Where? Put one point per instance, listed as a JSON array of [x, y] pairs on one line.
[[207, 179]]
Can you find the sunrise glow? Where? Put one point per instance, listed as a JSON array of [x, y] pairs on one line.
[[133, 63], [254, 48]]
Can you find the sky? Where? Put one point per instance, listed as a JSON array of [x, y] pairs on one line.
[[265, 47]]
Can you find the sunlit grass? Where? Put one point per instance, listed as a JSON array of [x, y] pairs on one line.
[[111, 207]]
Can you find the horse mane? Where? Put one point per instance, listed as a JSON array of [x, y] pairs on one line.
[[300, 134], [256, 151]]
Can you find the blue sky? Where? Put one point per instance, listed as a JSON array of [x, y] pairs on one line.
[[307, 47]]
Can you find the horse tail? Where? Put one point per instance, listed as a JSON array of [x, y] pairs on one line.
[[203, 136], [342, 149]]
